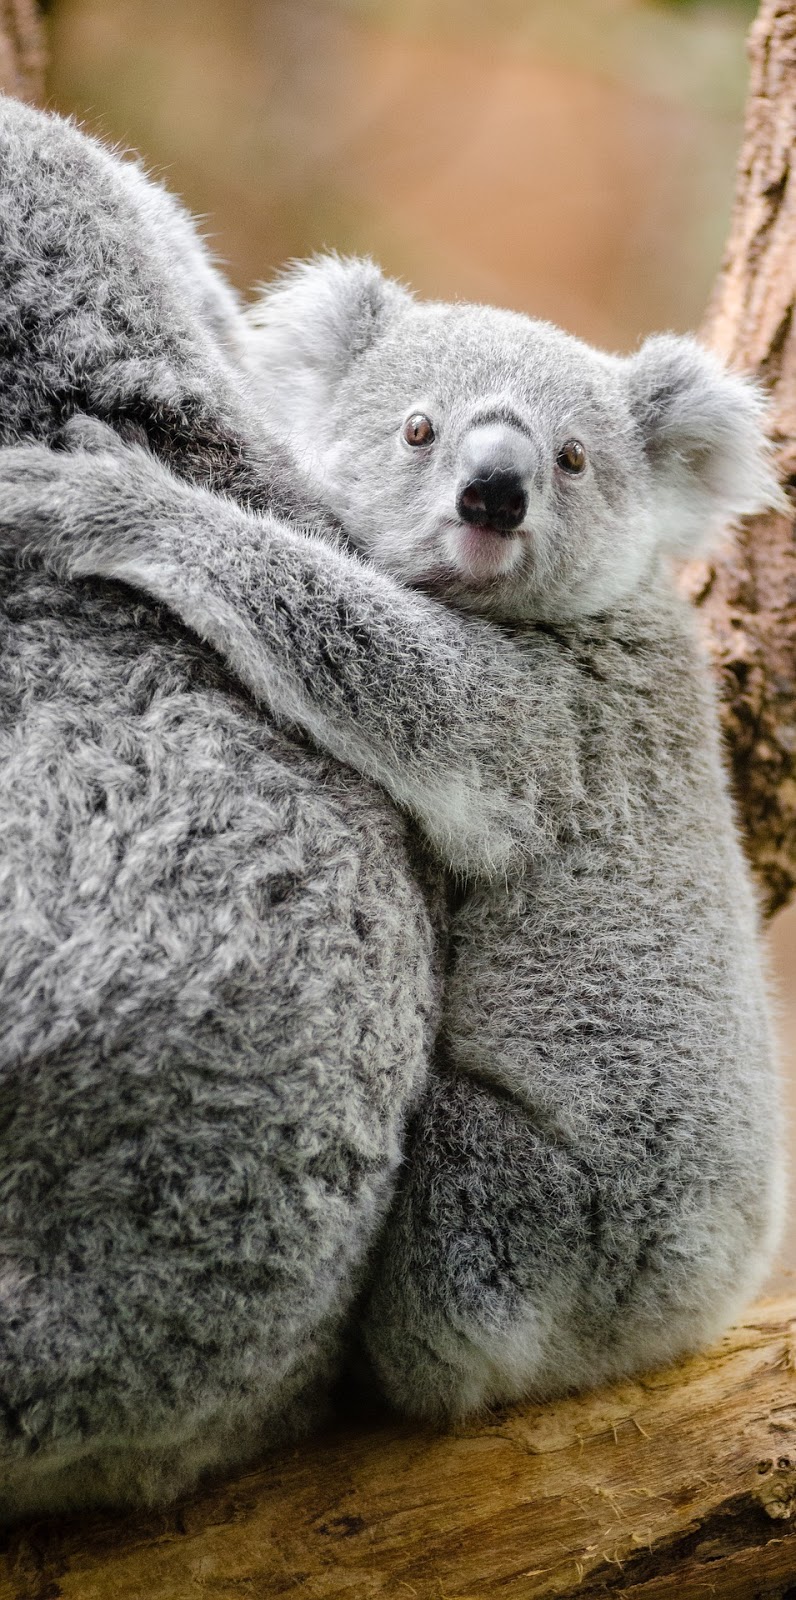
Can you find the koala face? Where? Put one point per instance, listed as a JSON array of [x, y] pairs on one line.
[[494, 460]]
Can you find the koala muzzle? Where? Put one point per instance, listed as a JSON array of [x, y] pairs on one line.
[[497, 500]]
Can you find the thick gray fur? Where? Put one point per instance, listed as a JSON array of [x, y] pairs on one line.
[[593, 1179], [218, 974]]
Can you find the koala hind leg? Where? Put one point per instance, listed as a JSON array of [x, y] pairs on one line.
[[592, 1184]]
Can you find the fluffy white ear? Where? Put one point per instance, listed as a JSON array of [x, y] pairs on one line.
[[307, 327], [704, 435]]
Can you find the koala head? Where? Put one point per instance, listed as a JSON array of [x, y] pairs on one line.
[[495, 460]]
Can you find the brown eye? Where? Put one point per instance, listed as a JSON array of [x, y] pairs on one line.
[[572, 458], [418, 430]]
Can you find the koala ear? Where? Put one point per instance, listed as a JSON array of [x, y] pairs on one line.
[[704, 437], [308, 326]]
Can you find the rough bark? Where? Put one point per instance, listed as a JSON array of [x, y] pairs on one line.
[[679, 1484], [748, 598], [21, 49]]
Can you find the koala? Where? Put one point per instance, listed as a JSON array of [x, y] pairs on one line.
[[594, 1181], [593, 1172], [219, 947], [219, 974]]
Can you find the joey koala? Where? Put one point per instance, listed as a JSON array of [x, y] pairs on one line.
[[593, 1178], [486, 626]]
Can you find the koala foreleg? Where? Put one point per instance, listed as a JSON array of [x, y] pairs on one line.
[[434, 705]]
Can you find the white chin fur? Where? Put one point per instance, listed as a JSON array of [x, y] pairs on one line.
[[477, 553]]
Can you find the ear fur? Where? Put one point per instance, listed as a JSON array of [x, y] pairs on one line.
[[307, 328], [704, 436]]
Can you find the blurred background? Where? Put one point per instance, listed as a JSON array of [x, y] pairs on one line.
[[573, 160]]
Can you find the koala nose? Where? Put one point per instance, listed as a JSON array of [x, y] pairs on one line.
[[497, 499]]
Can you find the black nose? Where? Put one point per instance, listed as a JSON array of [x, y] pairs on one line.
[[497, 500]]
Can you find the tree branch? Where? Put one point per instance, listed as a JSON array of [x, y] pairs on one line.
[[678, 1484]]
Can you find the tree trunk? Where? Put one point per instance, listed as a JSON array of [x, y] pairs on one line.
[[680, 1485], [21, 49], [748, 598]]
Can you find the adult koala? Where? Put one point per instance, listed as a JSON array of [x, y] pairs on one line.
[[217, 967], [594, 1177]]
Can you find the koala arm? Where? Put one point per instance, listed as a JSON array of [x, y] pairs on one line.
[[430, 703]]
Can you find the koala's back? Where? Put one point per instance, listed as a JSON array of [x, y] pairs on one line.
[[110, 306], [217, 977], [101, 278], [218, 998]]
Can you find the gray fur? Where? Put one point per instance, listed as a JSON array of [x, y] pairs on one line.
[[217, 972], [593, 1179]]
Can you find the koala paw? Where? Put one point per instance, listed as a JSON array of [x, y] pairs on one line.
[[33, 495], [88, 433], [67, 506]]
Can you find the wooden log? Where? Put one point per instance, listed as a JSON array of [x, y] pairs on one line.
[[678, 1485]]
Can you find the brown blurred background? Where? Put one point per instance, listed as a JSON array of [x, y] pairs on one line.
[[570, 158]]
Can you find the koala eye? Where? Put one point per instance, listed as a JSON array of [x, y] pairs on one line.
[[418, 430], [572, 457]]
